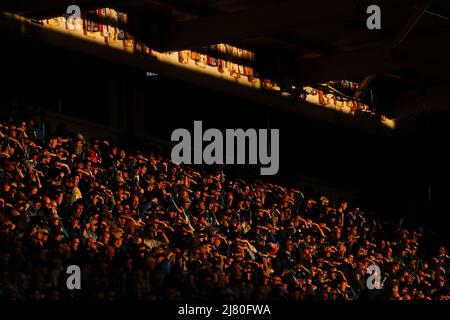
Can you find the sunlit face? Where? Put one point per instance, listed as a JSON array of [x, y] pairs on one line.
[[135, 201], [47, 203], [118, 242], [76, 180], [37, 205], [6, 187]]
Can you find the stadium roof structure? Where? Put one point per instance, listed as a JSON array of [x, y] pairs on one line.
[[305, 41]]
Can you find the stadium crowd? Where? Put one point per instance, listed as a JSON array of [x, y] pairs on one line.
[[142, 227]]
